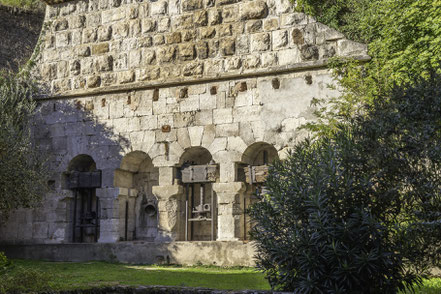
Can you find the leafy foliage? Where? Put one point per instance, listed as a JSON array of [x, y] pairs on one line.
[[20, 279], [404, 41], [23, 175], [358, 212]]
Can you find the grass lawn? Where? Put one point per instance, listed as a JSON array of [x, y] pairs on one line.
[[69, 275]]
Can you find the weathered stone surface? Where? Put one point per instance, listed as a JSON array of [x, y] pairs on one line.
[[147, 86], [253, 10]]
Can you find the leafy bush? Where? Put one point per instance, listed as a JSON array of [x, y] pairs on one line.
[[23, 174], [15, 280], [359, 212]]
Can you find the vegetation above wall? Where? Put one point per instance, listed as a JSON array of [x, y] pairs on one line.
[[404, 41]]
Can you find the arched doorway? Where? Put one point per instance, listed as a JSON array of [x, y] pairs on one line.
[[138, 207], [254, 168], [83, 179], [198, 172]]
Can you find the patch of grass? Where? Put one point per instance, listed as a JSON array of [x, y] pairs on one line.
[[69, 275], [430, 286], [76, 275]]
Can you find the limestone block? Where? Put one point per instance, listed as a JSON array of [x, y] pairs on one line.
[[207, 101], [269, 59], [207, 32], [224, 30], [151, 73], [227, 46], [254, 26], [233, 63], [218, 145], [82, 51], [195, 134], [271, 24], [309, 52], [100, 48], [214, 17], [230, 14], [166, 54], [200, 18], [183, 138], [223, 116], [173, 38], [350, 48], [284, 6], [236, 144], [193, 69], [209, 135], [253, 10], [61, 24], [280, 39], [289, 56], [186, 51], [163, 24], [77, 21], [158, 8], [251, 62], [121, 30], [89, 35], [158, 40], [148, 25], [227, 130], [135, 27], [189, 5], [295, 18], [104, 63], [62, 39]]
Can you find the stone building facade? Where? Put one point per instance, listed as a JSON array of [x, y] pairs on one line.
[[137, 93]]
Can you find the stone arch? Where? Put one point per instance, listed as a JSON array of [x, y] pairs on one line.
[[195, 155], [82, 163], [138, 207], [260, 153]]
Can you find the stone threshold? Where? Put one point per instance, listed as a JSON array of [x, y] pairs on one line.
[[298, 67]]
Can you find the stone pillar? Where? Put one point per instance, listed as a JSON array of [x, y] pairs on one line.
[[170, 211], [109, 219], [229, 197]]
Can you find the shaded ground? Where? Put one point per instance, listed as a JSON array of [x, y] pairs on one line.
[[19, 32]]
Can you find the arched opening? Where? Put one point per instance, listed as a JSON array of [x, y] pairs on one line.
[[198, 172], [253, 171], [138, 207], [83, 179]]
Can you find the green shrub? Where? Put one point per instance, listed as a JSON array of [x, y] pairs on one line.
[[359, 212], [17, 279]]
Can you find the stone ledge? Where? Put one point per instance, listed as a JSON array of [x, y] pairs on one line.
[[188, 81]]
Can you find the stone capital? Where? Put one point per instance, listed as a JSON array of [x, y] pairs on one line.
[[229, 188], [166, 192]]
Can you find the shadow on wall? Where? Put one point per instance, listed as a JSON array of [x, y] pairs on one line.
[[77, 140]]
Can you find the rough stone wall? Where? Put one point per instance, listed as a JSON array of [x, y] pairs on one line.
[[97, 44], [147, 86]]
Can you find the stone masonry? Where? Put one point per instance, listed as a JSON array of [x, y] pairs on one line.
[[136, 89]]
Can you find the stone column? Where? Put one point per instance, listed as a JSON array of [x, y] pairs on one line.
[[169, 212], [169, 196], [109, 219], [229, 210]]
